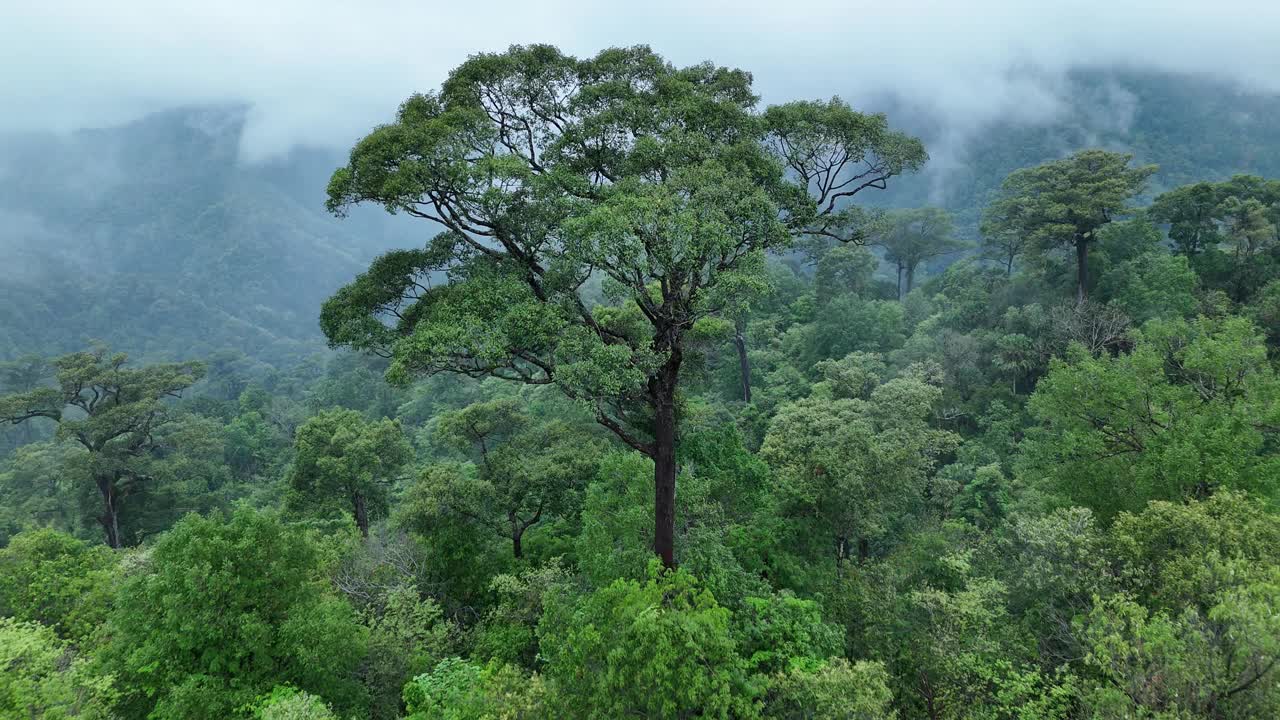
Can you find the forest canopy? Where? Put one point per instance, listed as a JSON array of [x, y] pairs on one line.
[[678, 406]]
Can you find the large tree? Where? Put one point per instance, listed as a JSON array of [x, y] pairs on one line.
[[1064, 203], [116, 413], [910, 237], [544, 170]]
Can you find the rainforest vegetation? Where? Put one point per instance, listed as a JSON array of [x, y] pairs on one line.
[[644, 398]]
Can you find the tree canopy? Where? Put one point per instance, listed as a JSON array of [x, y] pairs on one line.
[[545, 170]]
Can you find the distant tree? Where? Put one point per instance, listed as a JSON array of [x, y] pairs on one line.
[[910, 237], [1001, 243], [545, 171], [527, 470], [1191, 211], [1154, 285], [844, 270], [47, 484], [22, 375], [849, 466], [1249, 208], [1229, 230], [1066, 202], [342, 457], [116, 413]]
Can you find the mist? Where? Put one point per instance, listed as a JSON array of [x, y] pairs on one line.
[[323, 73]]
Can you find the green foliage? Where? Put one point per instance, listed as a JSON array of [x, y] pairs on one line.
[[1171, 555], [661, 648], [783, 631], [343, 459], [847, 469], [843, 270], [222, 610], [53, 579], [408, 635], [115, 413], [459, 690], [42, 677], [525, 471], [508, 633], [457, 559], [286, 703], [1154, 285], [544, 170], [1229, 230], [836, 690], [1188, 664], [1066, 203], [976, 499], [47, 484], [1187, 412], [911, 237]]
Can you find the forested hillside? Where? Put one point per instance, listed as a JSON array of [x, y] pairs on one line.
[[158, 238], [647, 399], [1193, 127]]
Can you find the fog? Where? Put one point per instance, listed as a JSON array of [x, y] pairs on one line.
[[322, 72]]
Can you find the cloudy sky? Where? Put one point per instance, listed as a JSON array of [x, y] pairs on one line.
[[321, 71]]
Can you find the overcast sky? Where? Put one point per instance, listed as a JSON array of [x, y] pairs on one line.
[[322, 72]]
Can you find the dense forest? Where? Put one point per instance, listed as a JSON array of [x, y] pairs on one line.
[[601, 388]]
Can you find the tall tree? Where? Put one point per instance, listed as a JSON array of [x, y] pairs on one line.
[[1064, 203], [114, 412], [545, 170], [343, 457], [909, 237]]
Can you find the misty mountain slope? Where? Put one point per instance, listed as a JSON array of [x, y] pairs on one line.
[[156, 239], [1194, 128]]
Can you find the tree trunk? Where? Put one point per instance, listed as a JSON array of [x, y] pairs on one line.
[[110, 518], [1008, 266], [663, 395], [899, 281], [744, 364], [911, 277], [361, 511], [1082, 269], [517, 533]]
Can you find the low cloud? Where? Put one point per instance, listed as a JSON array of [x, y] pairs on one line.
[[322, 72]]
